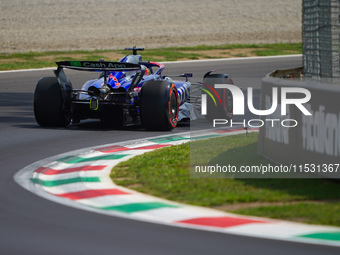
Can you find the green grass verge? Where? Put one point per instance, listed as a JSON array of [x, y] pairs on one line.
[[324, 213], [166, 173], [47, 59]]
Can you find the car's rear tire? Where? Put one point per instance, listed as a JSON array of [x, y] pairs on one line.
[[159, 105], [48, 104], [221, 109]]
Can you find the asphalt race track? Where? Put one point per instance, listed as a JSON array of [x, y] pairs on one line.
[[31, 225]]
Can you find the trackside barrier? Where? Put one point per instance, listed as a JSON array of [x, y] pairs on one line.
[[313, 145]]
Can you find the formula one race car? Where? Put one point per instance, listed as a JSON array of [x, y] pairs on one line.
[[127, 92]]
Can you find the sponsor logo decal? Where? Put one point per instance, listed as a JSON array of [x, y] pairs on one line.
[[75, 63]]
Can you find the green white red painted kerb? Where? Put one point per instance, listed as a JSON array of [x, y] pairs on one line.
[[81, 179]]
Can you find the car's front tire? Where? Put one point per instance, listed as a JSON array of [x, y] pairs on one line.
[[217, 109]]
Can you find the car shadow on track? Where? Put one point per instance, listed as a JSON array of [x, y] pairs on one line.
[[87, 125]]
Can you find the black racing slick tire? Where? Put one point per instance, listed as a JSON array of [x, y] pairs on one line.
[[219, 101], [159, 105], [48, 104]]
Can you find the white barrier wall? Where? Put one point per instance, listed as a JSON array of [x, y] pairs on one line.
[[315, 139]]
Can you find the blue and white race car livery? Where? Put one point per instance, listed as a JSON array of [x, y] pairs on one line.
[[128, 92]]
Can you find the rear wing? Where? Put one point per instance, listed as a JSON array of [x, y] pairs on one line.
[[92, 66], [97, 66]]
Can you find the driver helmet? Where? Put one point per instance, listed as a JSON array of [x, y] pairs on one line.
[[147, 70]]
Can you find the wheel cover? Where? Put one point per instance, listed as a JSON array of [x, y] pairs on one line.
[[173, 106], [229, 102]]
